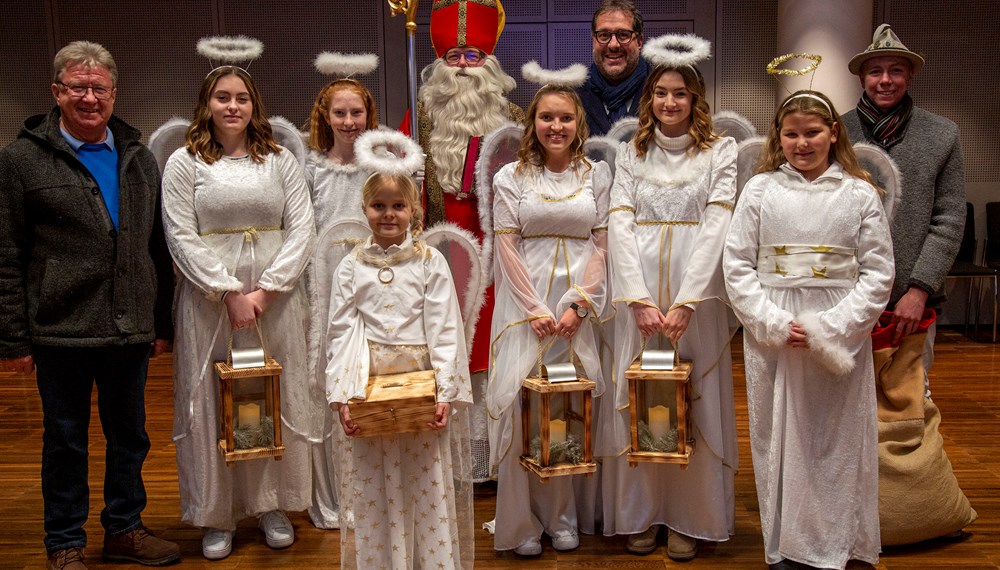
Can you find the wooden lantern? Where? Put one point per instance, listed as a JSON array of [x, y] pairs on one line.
[[244, 393], [575, 420], [396, 403], [659, 397]]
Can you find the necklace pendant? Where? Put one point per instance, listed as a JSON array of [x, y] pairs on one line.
[[386, 275]]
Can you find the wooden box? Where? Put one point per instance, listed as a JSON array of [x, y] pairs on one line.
[[639, 381], [581, 417], [268, 377], [396, 403]]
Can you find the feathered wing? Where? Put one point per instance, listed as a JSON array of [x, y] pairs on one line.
[[461, 249], [168, 138], [884, 173], [498, 148], [746, 161], [289, 137], [730, 124], [602, 149], [334, 244], [624, 129]]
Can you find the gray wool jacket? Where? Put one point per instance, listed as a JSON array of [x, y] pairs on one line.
[[930, 218], [67, 277]]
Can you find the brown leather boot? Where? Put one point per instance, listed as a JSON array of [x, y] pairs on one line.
[[141, 547], [66, 559]]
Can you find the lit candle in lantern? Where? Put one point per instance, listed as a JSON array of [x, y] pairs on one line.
[[659, 421], [249, 415], [557, 431]]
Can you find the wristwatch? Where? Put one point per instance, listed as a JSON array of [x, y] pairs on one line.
[[581, 311]]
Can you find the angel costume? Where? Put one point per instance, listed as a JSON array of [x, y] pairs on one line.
[[670, 211], [239, 225], [336, 196], [406, 499], [550, 248], [818, 253]]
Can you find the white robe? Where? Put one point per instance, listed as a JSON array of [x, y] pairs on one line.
[[670, 214], [813, 432], [206, 209], [336, 195], [550, 249], [406, 499]]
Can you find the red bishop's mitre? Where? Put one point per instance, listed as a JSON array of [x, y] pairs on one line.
[[462, 23]]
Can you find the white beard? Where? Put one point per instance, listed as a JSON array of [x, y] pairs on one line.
[[461, 102]]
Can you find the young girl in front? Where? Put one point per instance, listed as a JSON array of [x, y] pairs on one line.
[[808, 265], [671, 204], [550, 215], [395, 310]]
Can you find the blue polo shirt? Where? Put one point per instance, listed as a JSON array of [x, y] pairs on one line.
[[101, 159]]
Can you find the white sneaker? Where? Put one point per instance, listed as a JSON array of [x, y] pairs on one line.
[[530, 548], [216, 544], [565, 540], [277, 529]]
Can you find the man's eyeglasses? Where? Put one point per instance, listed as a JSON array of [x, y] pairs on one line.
[[81, 90], [603, 37], [472, 56]]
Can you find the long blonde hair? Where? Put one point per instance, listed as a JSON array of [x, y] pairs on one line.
[[406, 186], [700, 123], [200, 138], [531, 152], [812, 103]]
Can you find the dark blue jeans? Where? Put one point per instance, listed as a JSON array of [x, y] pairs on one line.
[[66, 376]]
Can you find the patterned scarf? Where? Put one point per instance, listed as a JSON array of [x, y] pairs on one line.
[[617, 97], [885, 128]]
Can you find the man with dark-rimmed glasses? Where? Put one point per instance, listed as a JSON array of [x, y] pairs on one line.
[[614, 86]]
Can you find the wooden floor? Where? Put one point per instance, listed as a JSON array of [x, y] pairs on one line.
[[965, 383]]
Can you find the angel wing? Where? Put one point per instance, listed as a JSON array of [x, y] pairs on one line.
[[884, 173], [168, 138], [498, 148], [746, 161], [290, 137], [730, 124], [624, 129], [461, 250], [334, 244], [602, 148]]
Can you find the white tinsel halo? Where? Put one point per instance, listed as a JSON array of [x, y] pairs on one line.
[[677, 50], [388, 163], [230, 49], [345, 64], [572, 76]]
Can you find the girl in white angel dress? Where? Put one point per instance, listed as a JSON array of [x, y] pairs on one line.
[[808, 265], [671, 205], [239, 225], [343, 110], [550, 224], [406, 499]]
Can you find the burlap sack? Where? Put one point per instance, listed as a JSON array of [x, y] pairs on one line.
[[919, 497]]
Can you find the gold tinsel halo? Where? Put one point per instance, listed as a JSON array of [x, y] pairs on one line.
[[773, 69]]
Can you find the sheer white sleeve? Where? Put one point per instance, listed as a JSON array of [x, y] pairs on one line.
[[627, 282], [703, 276]]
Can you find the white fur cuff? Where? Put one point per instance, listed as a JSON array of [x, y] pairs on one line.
[[827, 351]]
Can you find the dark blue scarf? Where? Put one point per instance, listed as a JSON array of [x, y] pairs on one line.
[[617, 97]]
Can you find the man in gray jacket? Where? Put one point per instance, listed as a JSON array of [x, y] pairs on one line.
[[928, 224], [85, 293]]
